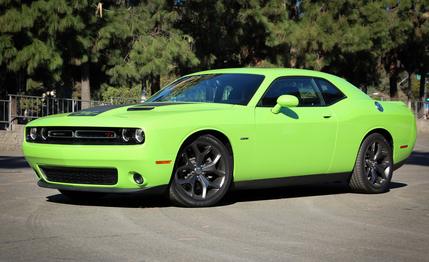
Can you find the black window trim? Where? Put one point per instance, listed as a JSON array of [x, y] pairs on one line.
[[323, 103]]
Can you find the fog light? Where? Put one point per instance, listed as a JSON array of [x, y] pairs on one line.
[[33, 133], [139, 135], [138, 178]]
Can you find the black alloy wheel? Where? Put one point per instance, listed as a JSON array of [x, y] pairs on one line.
[[202, 173], [374, 166], [377, 164]]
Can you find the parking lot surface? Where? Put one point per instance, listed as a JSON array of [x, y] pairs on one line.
[[311, 223]]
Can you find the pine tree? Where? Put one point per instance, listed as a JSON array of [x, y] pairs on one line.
[[27, 50], [414, 53], [151, 45], [55, 44], [43, 40]]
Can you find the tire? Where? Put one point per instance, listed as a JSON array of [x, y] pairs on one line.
[[202, 174], [81, 195], [374, 166]]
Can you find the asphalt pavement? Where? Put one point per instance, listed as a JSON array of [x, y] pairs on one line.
[[311, 223]]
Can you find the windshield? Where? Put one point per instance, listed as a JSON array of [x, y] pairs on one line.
[[212, 88]]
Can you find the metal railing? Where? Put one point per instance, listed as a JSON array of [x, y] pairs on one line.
[[4, 114], [21, 109], [420, 109]]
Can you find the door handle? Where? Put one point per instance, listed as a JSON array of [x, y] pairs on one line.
[[327, 116]]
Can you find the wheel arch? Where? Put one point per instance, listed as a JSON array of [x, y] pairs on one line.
[[386, 134], [216, 133]]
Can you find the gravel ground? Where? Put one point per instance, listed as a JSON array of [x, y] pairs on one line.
[[309, 223]]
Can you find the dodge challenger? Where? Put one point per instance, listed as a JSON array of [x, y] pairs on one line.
[[211, 131]]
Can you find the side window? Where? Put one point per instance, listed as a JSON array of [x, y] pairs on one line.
[[330, 93], [304, 88]]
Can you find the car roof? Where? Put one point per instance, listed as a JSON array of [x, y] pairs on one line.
[[272, 73], [267, 71]]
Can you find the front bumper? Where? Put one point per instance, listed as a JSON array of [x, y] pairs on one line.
[[127, 159], [42, 183]]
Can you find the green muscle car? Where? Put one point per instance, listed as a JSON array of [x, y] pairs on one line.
[[211, 131]]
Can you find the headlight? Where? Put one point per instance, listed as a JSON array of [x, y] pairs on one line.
[[44, 133], [139, 135], [33, 133], [126, 135]]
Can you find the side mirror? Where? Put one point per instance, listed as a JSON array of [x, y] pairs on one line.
[[285, 101]]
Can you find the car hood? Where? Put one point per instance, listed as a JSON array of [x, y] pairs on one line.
[[126, 115]]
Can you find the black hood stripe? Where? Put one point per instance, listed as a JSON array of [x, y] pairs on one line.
[[93, 111]]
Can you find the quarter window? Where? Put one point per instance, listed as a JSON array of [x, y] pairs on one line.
[[304, 88], [329, 92]]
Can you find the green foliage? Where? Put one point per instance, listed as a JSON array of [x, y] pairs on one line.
[[120, 95], [39, 39], [151, 45], [58, 44]]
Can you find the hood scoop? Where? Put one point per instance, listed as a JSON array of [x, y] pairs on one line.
[[151, 105], [140, 108]]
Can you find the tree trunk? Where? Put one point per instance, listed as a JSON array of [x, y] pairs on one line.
[[410, 95], [393, 84], [66, 90], [21, 82], [422, 83], [155, 84], [85, 91], [144, 95], [393, 76]]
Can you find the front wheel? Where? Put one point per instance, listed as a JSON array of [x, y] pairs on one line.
[[202, 173], [374, 166]]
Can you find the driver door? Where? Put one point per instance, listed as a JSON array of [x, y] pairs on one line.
[[298, 140]]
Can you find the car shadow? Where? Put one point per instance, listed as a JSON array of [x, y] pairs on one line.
[[293, 192], [13, 162], [132, 200], [159, 200], [418, 158]]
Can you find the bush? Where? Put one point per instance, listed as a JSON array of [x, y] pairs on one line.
[[120, 95]]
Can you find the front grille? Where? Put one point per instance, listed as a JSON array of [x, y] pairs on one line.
[[83, 135], [75, 175]]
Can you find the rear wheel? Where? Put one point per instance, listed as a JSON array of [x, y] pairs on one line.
[[81, 195], [202, 174], [374, 166]]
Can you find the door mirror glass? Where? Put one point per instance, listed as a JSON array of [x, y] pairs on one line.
[[285, 101]]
